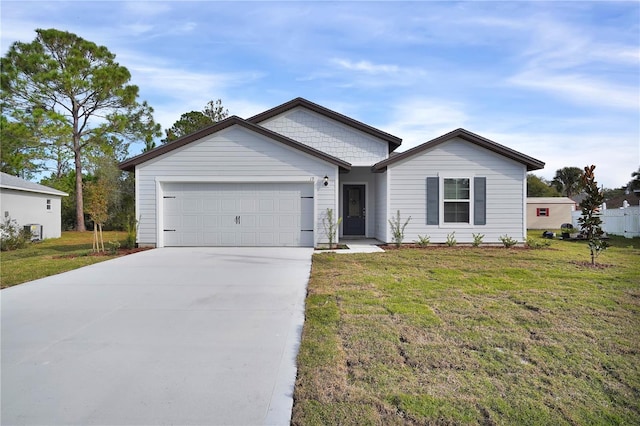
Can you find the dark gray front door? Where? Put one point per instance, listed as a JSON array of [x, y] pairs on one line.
[[353, 210]]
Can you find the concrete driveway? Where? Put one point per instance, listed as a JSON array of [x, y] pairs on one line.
[[190, 336]]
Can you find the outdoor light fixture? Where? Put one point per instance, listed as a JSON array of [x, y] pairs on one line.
[[326, 180]]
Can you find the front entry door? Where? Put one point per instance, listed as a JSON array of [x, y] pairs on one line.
[[353, 210]]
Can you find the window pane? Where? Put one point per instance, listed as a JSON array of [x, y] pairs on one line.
[[354, 202], [456, 212], [456, 189]]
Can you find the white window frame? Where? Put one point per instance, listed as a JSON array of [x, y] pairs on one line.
[[49, 205], [442, 202]]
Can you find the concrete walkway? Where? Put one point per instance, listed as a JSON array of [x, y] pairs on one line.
[[205, 336]]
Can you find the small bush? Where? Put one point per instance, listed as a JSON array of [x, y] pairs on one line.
[[397, 228], [508, 241], [477, 239], [132, 231], [113, 246], [451, 239], [331, 226], [423, 241], [12, 237], [535, 243]]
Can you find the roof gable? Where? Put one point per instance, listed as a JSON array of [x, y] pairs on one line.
[[393, 141], [530, 162], [130, 164], [8, 181]]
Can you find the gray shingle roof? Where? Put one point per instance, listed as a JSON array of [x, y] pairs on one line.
[[13, 182]]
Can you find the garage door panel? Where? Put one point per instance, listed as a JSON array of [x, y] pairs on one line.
[[232, 214], [211, 206]]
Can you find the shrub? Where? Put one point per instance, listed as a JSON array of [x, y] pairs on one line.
[[508, 241], [423, 241], [132, 231], [113, 246], [477, 239], [12, 237], [331, 227], [535, 243], [451, 239], [397, 228]]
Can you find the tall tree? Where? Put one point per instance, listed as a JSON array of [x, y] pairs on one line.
[[539, 187], [79, 85], [192, 121], [568, 181], [18, 153]]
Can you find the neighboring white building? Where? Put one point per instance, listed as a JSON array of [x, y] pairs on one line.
[[29, 203], [269, 180], [549, 212]]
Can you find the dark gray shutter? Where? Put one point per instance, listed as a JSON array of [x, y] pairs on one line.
[[480, 201], [433, 201]]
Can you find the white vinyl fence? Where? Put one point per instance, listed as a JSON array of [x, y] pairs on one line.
[[624, 221]]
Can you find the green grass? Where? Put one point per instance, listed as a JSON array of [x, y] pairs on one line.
[[52, 256], [462, 335]]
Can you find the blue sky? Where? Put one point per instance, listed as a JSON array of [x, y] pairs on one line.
[[559, 81]]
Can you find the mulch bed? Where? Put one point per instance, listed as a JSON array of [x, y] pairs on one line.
[[119, 252]]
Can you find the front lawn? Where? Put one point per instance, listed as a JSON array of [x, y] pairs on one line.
[[53, 256], [472, 336]]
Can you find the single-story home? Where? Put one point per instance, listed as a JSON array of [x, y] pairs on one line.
[[32, 204], [269, 181], [549, 212]]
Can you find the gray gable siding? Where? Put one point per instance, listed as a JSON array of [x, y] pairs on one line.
[[326, 135], [229, 155], [505, 191]]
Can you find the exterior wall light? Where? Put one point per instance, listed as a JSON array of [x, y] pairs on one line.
[[326, 180]]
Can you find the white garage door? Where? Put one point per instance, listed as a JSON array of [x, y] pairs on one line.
[[238, 214]]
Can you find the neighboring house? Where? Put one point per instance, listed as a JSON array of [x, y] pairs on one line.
[[269, 180], [29, 203], [549, 212]]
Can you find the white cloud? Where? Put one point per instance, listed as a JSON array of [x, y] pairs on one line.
[[419, 120], [580, 89], [366, 66]]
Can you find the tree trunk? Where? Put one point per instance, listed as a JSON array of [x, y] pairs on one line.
[[80, 226], [77, 154]]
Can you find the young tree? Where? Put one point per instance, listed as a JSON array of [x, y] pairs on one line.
[[97, 194], [590, 222], [79, 85], [567, 181], [191, 122]]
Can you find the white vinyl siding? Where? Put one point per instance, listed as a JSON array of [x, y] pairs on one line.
[[26, 207], [505, 189], [232, 155], [381, 206], [329, 136]]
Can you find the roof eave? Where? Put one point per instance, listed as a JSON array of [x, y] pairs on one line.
[[130, 164], [530, 162]]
